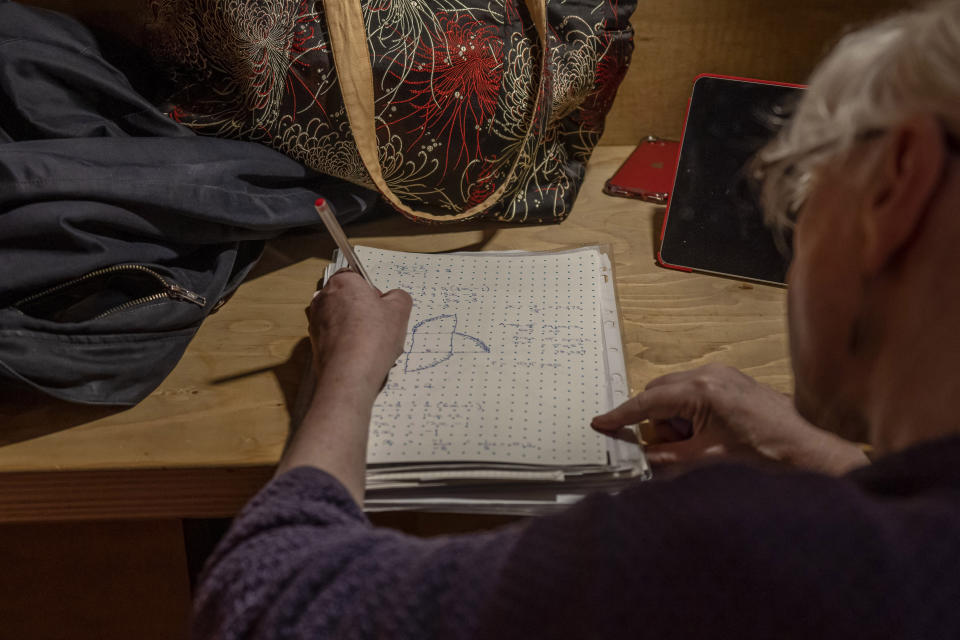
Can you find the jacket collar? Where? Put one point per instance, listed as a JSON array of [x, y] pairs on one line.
[[931, 464]]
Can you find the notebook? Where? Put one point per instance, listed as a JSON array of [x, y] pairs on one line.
[[508, 356]]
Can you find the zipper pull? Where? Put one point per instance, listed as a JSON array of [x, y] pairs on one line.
[[179, 293]]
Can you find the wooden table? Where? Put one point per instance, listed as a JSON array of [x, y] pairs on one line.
[[208, 437]]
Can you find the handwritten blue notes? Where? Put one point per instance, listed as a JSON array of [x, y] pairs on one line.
[[503, 360]]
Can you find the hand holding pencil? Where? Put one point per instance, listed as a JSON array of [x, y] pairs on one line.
[[350, 323]]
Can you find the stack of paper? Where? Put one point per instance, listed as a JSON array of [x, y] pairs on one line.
[[507, 359]]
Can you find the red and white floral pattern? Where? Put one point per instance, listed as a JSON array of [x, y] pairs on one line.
[[454, 83]]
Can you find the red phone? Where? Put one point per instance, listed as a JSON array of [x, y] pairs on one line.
[[648, 173]]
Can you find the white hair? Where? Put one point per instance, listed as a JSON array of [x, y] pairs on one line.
[[873, 79]]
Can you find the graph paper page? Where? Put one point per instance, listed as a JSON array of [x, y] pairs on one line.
[[503, 359]]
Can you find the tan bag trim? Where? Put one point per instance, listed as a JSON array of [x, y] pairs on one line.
[[348, 42]]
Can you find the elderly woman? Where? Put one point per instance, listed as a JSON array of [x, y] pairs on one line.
[[831, 548]]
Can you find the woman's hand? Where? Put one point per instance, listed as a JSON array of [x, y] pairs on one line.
[[357, 333], [718, 411]]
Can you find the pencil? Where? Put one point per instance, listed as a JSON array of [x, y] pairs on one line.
[[336, 232]]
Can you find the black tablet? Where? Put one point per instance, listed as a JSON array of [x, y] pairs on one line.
[[713, 222]]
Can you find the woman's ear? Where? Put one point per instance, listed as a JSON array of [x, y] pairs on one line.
[[899, 191]]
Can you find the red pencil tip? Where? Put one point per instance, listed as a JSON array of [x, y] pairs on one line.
[[320, 202]]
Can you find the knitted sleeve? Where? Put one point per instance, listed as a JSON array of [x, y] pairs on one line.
[[302, 561], [722, 552]]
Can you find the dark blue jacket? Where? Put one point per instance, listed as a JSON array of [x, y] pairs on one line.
[[120, 230]]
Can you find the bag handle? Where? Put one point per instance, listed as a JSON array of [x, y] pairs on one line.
[[348, 42]]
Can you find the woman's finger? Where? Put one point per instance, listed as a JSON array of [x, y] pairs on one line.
[[658, 403]]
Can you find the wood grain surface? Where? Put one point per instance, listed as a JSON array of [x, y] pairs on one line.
[[208, 436], [677, 40]]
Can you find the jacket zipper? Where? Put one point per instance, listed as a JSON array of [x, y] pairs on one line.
[[170, 290]]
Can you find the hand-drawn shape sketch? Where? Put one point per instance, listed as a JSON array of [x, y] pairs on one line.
[[435, 340]]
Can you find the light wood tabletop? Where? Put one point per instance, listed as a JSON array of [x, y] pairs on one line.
[[208, 437]]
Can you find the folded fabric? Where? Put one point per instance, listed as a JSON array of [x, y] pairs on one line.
[[120, 230]]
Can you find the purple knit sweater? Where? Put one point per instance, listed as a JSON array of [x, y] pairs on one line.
[[723, 552]]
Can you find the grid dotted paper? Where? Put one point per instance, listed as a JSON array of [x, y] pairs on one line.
[[503, 360]]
